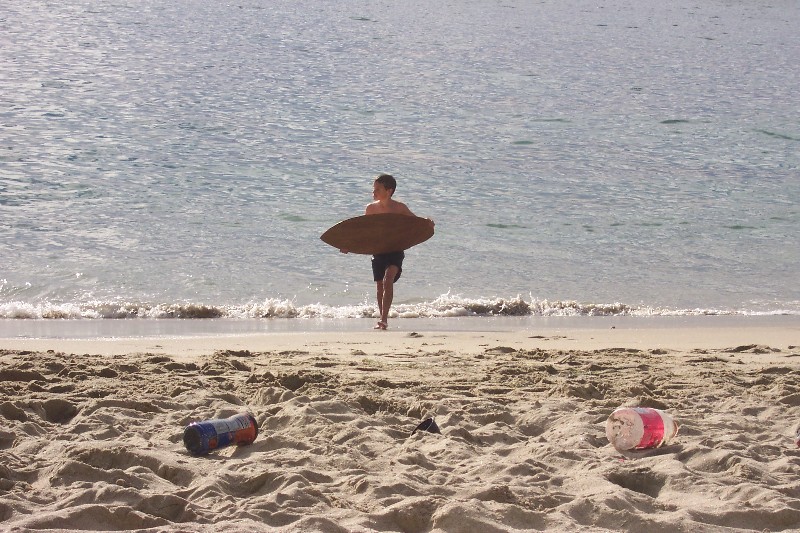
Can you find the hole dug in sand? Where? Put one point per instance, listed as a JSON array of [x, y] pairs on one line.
[[59, 411], [56, 411], [641, 480]]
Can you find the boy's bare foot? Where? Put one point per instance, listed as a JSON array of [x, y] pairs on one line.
[[381, 325]]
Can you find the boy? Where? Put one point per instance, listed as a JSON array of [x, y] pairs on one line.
[[386, 268]]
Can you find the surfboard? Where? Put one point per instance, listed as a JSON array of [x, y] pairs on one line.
[[378, 234]]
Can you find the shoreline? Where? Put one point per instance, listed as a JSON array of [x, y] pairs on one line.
[[196, 338]]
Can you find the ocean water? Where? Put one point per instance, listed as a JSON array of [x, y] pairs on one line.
[[180, 159]]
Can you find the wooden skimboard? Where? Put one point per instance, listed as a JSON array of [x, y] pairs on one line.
[[378, 234]]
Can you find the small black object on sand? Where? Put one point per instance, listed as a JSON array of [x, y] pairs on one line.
[[428, 425]]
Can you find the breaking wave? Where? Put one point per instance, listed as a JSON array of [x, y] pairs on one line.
[[446, 305]]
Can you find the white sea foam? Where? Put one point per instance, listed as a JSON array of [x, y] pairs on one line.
[[445, 306]]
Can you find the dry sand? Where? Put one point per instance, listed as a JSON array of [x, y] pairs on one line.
[[91, 432]]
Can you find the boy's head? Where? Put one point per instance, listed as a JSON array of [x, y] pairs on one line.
[[388, 182]]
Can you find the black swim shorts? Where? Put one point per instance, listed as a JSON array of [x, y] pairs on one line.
[[381, 262]]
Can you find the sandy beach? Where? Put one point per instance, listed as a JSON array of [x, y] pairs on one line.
[[92, 431]]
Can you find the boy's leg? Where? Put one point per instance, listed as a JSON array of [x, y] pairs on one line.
[[387, 288], [379, 285]]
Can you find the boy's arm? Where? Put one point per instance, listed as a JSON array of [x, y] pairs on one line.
[[404, 210], [407, 211], [373, 209]]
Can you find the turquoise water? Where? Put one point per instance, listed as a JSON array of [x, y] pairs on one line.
[[164, 159]]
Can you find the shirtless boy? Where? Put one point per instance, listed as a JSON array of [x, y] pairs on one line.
[[386, 268]]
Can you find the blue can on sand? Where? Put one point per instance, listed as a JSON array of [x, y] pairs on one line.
[[201, 438]]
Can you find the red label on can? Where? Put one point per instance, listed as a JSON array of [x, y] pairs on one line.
[[653, 433]]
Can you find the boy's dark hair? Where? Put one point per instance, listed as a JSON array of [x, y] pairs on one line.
[[387, 181]]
